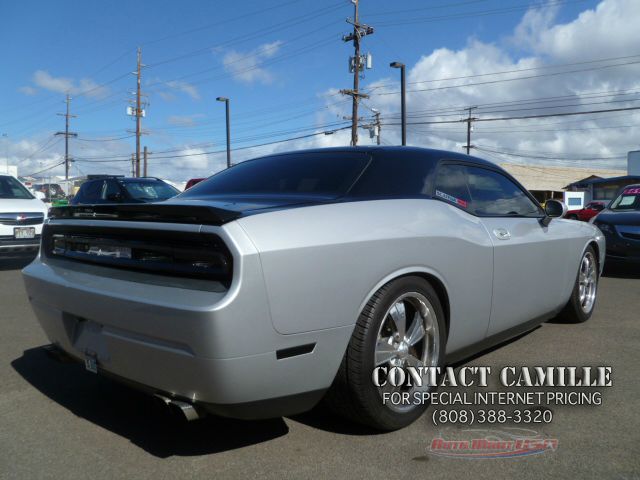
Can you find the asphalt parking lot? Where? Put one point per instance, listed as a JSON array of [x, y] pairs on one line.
[[56, 421]]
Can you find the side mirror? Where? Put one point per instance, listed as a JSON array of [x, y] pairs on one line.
[[40, 196], [554, 209]]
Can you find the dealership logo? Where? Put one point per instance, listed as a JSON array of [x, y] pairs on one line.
[[482, 444]]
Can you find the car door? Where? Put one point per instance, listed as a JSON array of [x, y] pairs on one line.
[[530, 260]]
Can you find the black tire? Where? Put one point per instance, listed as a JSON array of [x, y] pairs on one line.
[[572, 217], [573, 311], [353, 394]]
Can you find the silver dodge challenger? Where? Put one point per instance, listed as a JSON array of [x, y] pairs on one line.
[[286, 280]]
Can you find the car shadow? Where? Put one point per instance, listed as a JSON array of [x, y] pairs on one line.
[[137, 416], [321, 418], [15, 263], [620, 270]]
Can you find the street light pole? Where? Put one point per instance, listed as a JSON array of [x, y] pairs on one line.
[[226, 104], [5, 136], [403, 104]]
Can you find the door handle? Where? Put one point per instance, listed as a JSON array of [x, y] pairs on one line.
[[502, 233]]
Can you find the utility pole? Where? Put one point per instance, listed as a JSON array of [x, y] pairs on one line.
[[145, 154], [138, 109], [133, 164], [357, 64], [378, 127], [469, 119], [67, 134]]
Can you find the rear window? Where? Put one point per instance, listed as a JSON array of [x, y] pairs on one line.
[[149, 191], [327, 175], [628, 200]]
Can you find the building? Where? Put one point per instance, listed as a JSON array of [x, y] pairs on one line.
[[546, 182], [606, 189]]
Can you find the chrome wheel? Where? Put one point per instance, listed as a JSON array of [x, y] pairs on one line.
[[408, 336], [587, 282]]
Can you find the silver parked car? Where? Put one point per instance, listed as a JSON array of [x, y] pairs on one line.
[[288, 278]]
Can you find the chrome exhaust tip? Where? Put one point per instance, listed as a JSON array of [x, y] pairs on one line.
[[183, 409]]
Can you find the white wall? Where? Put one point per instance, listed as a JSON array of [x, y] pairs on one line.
[[633, 163]]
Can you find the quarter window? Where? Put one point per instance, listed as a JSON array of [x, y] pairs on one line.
[[451, 185]]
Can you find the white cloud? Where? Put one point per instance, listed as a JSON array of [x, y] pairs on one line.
[[27, 90], [185, 88], [184, 120], [175, 86], [608, 31], [248, 66], [611, 29], [46, 81]]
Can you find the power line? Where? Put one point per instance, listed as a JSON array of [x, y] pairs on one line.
[[43, 147], [523, 117], [527, 77], [432, 7], [480, 13], [291, 22], [45, 169], [549, 157], [221, 22], [117, 159]]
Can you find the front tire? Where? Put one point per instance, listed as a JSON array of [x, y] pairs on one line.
[[583, 297], [403, 324]]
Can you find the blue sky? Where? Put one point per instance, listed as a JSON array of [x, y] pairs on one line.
[[279, 62]]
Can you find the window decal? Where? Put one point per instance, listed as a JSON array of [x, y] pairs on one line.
[[632, 191], [451, 198]]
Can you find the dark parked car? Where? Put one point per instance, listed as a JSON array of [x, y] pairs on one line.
[[585, 214], [192, 182], [123, 190], [620, 224]]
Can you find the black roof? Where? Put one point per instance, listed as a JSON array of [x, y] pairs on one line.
[[399, 152]]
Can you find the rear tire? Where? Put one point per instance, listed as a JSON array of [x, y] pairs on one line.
[[580, 306], [378, 341]]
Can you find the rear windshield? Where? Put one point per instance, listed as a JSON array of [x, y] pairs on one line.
[[629, 199], [150, 191], [12, 188], [325, 175]]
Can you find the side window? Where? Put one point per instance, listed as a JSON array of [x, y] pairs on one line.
[[493, 194], [451, 185], [110, 190], [91, 192]]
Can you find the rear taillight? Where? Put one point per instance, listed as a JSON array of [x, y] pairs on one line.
[[172, 253]]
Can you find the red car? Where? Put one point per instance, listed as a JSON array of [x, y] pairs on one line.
[[192, 182], [585, 214]]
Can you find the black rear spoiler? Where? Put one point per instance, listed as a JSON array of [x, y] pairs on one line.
[[192, 214]]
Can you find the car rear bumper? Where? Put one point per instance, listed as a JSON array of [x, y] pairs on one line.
[[216, 348]]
